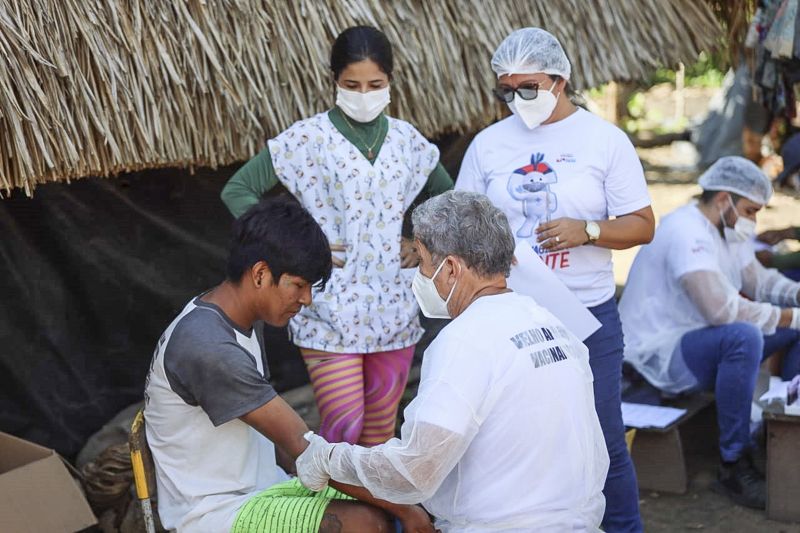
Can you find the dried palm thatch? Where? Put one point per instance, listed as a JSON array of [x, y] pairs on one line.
[[735, 16], [97, 87]]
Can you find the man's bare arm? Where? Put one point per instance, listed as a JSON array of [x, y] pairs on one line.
[[277, 421]]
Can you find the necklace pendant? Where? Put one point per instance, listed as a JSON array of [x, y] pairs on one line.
[[369, 154]]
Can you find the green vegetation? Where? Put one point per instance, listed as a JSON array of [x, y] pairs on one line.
[[708, 71]]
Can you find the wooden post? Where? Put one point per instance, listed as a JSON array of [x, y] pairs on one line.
[[612, 93], [783, 464], [680, 98]]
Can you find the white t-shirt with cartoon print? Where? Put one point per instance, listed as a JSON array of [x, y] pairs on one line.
[[581, 167]]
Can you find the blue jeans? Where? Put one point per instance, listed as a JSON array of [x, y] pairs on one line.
[[725, 359], [793, 274], [605, 357]]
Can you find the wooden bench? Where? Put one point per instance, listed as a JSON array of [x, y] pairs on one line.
[[658, 454], [783, 463]]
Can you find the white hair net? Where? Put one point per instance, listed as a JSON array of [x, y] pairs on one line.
[[530, 51], [737, 175]]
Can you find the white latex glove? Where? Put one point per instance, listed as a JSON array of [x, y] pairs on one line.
[[795, 318], [312, 464]]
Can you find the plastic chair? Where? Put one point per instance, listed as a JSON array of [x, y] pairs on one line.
[[143, 470]]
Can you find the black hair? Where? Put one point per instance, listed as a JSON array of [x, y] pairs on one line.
[[280, 232], [573, 96], [359, 43], [707, 195]]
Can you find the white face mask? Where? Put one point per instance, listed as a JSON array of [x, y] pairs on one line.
[[362, 107], [430, 303], [534, 112], [743, 230]]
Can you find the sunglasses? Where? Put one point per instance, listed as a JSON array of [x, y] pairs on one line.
[[529, 91]]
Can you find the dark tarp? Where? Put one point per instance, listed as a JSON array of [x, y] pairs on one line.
[[92, 273]]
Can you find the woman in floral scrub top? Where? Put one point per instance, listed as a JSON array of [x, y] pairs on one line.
[[357, 171]]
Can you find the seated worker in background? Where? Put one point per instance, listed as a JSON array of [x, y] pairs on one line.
[[503, 434], [789, 178], [687, 326], [213, 421], [788, 264]]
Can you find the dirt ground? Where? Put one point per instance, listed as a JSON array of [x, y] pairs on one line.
[[699, 509]]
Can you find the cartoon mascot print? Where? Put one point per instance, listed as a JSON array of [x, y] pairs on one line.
[[531, 186]]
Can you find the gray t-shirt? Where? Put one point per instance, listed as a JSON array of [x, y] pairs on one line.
[[206, 373], [208, 367]]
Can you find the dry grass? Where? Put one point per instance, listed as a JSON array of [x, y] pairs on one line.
[[97, 87]]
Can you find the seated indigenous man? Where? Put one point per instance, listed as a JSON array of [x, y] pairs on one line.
[[503, 434], [700, 312], [215, 425]]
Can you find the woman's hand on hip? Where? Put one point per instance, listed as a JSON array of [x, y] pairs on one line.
[[562, 233], [409, 258], [337, 261]]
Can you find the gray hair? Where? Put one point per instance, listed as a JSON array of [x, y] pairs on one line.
[[466, 225]]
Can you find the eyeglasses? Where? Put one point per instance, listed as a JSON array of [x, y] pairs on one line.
[[526, 92]]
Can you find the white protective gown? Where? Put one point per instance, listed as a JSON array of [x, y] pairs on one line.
[[503, 434], [689, 278]]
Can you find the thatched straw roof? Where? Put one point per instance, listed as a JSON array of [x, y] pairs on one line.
[[91, 87]]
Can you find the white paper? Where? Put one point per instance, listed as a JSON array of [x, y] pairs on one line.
[[778, 390], [639, 415], [531, 277]]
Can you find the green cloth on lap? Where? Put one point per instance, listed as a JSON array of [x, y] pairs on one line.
[[287, 507]]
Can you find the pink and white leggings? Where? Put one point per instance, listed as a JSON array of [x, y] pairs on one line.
[[358, 394]]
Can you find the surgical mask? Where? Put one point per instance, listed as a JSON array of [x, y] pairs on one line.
[[743, 230], [430, 303], [534, 112], [362, 107]]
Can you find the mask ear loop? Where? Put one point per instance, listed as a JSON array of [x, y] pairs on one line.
[[722, 218], [452, 290], [722, 214], [733, 206], [550, 90], [438, 269]]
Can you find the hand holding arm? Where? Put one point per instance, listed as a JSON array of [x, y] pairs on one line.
[[313, 465], [277, 421], [396, 471]]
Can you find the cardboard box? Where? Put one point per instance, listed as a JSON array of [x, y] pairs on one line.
[[37, 492]]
